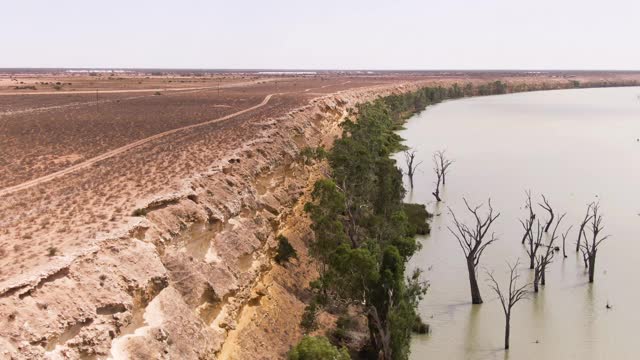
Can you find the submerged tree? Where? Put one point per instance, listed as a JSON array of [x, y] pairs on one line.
[[534, 241], [590, 248], [472, 241], [545, 205], [584, 223], [441, 166], [412, 165], [564, 240], [528, 223], [543, 260], [436, 192], [510, 297]]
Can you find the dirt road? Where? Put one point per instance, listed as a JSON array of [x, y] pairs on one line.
[[121, 91], [120, 150]]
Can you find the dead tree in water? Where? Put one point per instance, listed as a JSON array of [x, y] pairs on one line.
[[543, 260], [441, 167], [590, 249], [534, 240], [509, 298], [443, 164], [547, 207], [472, 241], [528, 223], [564, 240], [409, 158], [584, 222]]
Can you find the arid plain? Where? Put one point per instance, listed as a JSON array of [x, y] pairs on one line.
[[137, 209]]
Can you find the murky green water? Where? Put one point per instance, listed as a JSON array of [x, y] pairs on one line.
[[575, 146]]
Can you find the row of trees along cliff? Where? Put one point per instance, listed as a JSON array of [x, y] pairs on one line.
[[364, 234]]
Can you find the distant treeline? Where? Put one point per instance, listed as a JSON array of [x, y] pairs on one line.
[[404, 105]]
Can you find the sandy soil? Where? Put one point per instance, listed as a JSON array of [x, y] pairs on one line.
[[81, 276]]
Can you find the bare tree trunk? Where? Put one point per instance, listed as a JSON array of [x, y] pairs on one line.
[[536, 280], [590, 249], [409, 157], [585, 259], [584, 222], [509, 299], [592, 266], [507, 328], [473, 283], [473, 243], [442, 164], [532, 259], [543, 276], [528, 224], [381, 335], [436, 193], [547, 207], [580, 236]]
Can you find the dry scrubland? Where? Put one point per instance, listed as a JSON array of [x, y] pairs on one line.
[[81, 276]]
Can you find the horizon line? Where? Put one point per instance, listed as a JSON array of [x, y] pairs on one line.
[[312, 69]]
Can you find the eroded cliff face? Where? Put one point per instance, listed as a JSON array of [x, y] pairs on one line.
[[194, 277]]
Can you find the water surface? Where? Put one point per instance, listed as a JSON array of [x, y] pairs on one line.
[[574, 146]]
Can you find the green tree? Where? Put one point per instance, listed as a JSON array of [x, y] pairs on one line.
[[285, 250], [317, 348]]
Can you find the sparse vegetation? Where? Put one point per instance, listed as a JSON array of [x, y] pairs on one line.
[[52, 251], [285, 251], [140, 212], [308, 322], [310, 154], [317, 348], [419, 326], [417, 216]]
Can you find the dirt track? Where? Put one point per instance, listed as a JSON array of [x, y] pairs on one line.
[[121, 150], [124, 91]]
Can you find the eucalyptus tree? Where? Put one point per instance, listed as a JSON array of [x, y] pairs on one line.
[[590, 246], [509, 297], [545, 205], [473, 241], [585, 221], [412, 165], [441, 167]]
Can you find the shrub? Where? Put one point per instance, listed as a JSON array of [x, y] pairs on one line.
[[417, 215], [308, 321], [157, 93], [140, 212], [343, 325], [52, 251], [419, 327], [317, 348], [285, 250], [309, 154]]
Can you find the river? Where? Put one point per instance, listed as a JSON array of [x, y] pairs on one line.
[[573, 146]]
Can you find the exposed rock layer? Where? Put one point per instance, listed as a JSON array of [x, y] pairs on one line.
[[193, 278]]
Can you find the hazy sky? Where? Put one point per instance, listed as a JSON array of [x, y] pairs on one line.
[[327, 34]]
